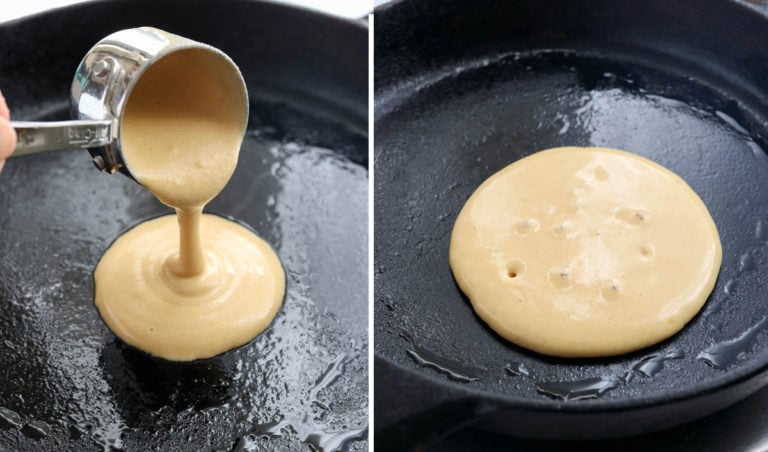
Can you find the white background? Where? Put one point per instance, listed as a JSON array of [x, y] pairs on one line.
[[13, 9]]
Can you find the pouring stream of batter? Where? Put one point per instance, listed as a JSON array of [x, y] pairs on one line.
[[201, 285]]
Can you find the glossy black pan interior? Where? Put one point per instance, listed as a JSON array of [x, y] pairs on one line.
[[463, 88], [66, 382]]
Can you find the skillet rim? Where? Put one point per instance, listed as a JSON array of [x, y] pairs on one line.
[[727, 380]]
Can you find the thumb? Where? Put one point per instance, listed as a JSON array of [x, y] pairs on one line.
[[7, 138], [4, 111]]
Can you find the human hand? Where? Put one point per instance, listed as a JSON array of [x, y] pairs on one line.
[[7, 134]]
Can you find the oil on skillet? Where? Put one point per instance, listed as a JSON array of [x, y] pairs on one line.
[[68, 384], [602, 100]]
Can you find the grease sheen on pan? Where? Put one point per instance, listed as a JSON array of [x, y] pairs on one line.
[[585, 252]]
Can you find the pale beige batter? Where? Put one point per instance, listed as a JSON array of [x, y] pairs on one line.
[[585, 252], [207, 285], [150, 306]]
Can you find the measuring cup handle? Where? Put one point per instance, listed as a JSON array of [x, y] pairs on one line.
[[34, 137]]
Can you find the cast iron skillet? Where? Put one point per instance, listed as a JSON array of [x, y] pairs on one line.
[[66, 382], [464, 88]]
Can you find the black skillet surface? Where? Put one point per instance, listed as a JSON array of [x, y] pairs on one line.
[[742, 426], [66, 383], [463, 89]]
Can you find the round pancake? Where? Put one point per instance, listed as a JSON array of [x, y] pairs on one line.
[[585, 252]]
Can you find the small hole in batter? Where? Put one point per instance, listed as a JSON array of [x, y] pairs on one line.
[[515, 268], [560, 278], [646, 251], [561, 230], [612, 290], [525, 227], [636, 217]]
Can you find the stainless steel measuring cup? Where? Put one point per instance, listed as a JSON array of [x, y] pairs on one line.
[[99, 94]]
